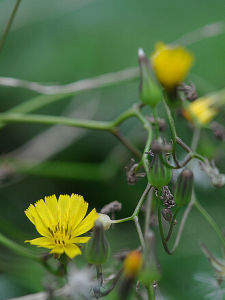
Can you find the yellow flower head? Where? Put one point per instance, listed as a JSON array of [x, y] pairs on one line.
[[61, 223], [132, 264], [202, 110], [171, 64]]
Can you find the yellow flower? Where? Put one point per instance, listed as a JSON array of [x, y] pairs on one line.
[[202, 110], [61, 223], [171, 64]]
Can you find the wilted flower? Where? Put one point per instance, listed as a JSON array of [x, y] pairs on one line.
[[171, 64], [61, 223]]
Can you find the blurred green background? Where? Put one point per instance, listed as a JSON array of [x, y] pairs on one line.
[[61, 41]]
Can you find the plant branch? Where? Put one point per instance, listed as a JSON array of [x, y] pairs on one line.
[[9, 24]]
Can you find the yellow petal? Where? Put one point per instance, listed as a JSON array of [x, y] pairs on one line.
[[72, 250], [64, 207], [86, 224], [35, 218], [78, 210], [80, 240], [52, 204], [44, 213], [42, 242], [58, 249]]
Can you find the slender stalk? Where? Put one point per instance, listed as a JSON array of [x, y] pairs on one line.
[[140, 234], [53, 120], [160, 225], [126, 143], [171, 123], [182, 223], [148, 212], [137, 208], [172, 224], [155, 114], [6, 242], [9, 24], [150, 292], [210, 220]]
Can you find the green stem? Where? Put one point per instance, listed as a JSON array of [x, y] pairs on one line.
[[140, 234], [150, 291], [9, 24], [171, 124], [172, 225], [210, 220], [155, 114], [54, 120], [160, 225], [18, 248], [137, 208]]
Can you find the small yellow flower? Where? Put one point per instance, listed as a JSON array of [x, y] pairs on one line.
[[171, 64], [61, 223], [202, 110]]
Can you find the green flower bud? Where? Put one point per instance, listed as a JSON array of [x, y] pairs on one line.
[[183, 190], [150, 92], [97, 250], [159, 174]]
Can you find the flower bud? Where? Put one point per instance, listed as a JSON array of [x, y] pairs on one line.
[[159, 174], [97, 249], [150, 92], [184, 186], [105, 220]]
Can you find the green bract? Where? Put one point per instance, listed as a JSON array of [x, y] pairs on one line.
[[150, 92], [97, 250], [159, 174], [184, 186]]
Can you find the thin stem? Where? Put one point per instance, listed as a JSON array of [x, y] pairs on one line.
[[172, 225], [9, 24], [137, 208], [183, 145], [53, 120], [155, 114], [195, 138], [160, 225], [171, 123], [150, 292], [18, 248], [126, 143], [148, 212], [182, 223], [210, 220], [140, 234]]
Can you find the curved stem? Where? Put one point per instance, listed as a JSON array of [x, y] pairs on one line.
[[150, 292], [9, 24], [171, 123], [140, 234], [18, 248]]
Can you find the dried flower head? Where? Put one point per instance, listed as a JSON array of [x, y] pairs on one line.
[[61, 223], [171, 64]]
